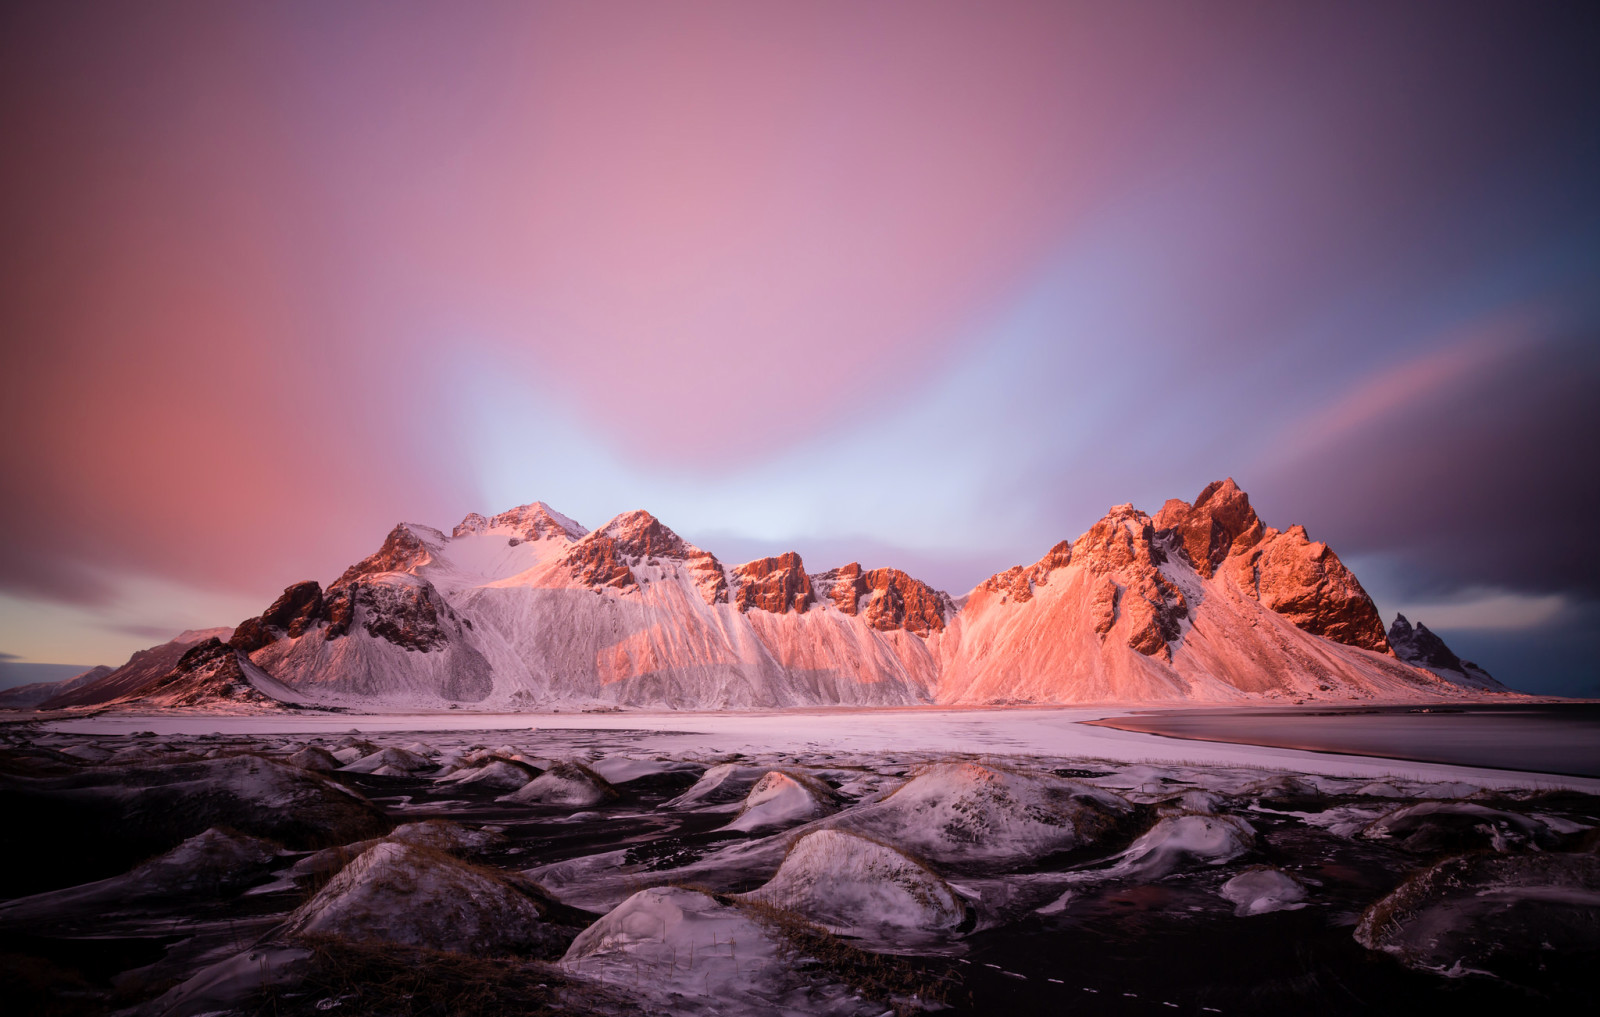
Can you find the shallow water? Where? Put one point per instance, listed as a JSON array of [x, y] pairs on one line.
[[1559, 738]]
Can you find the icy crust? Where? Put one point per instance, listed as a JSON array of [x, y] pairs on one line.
[[1178, 842], [976, 815], [1435, 827], [855, 885], [1514, 916], [564, 783], [1262, 891], [780, 800], [683, 946], [400, 893]]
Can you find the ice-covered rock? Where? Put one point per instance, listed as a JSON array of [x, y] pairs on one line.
[[1448, 826], [1263, 890], [565, 783], [1514, 916], [1177, 842], [392, 760], [720, 785], [314, 757], [674, 942], [496, 773], [969, 813], [621, 769], [399, 893], [781, 800], [849, 883]]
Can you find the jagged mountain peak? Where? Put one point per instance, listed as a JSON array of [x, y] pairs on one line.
[[640, 534], [533, 521]]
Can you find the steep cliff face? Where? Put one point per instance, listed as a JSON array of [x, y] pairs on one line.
[[1299, 578], [886, 599], [775, 585]]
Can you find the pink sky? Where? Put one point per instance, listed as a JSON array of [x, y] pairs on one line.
[[277, 276]]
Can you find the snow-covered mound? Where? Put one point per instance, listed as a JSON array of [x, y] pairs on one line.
[[400, 893], [853, 884], [564, 783], [780, 800], [1509, 915], [677, 942], [968, 813], [496, 773], [391, 762], [433, 834], [314, 757], [720, 785], [1263, 890]]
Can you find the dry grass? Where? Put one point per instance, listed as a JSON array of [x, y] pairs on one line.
[[899, 983], [387, 980]]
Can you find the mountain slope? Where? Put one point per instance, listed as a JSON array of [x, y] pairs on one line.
[[1203, 602], [527, 609], [141, 669]]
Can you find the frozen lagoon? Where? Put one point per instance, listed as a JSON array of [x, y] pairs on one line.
[[1010, 731]]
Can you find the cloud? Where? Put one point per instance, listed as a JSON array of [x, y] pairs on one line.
[[1491, 609]]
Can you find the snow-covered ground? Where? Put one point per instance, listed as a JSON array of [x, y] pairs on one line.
[[1014, 731]]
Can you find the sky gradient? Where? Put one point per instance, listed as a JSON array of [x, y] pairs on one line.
[[929, 285]]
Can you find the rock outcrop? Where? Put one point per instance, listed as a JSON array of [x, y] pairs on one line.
[[776, 585], [1420, 646], [886, 598]]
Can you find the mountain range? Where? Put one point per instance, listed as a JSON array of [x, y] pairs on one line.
[[530, 610]]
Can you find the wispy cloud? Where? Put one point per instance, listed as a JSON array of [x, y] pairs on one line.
[[1482, 608]]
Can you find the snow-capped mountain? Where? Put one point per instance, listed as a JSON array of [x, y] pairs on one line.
[[529, 609]]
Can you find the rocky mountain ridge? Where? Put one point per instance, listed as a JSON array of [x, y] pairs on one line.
[[527, 609]]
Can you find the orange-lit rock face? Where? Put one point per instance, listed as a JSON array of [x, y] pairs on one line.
[[1122, 550], [1304, 581], [402, 551], [776, 584], [597, 561], [894, 599], [1219, 523], [606, 556], [1016, 583]]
